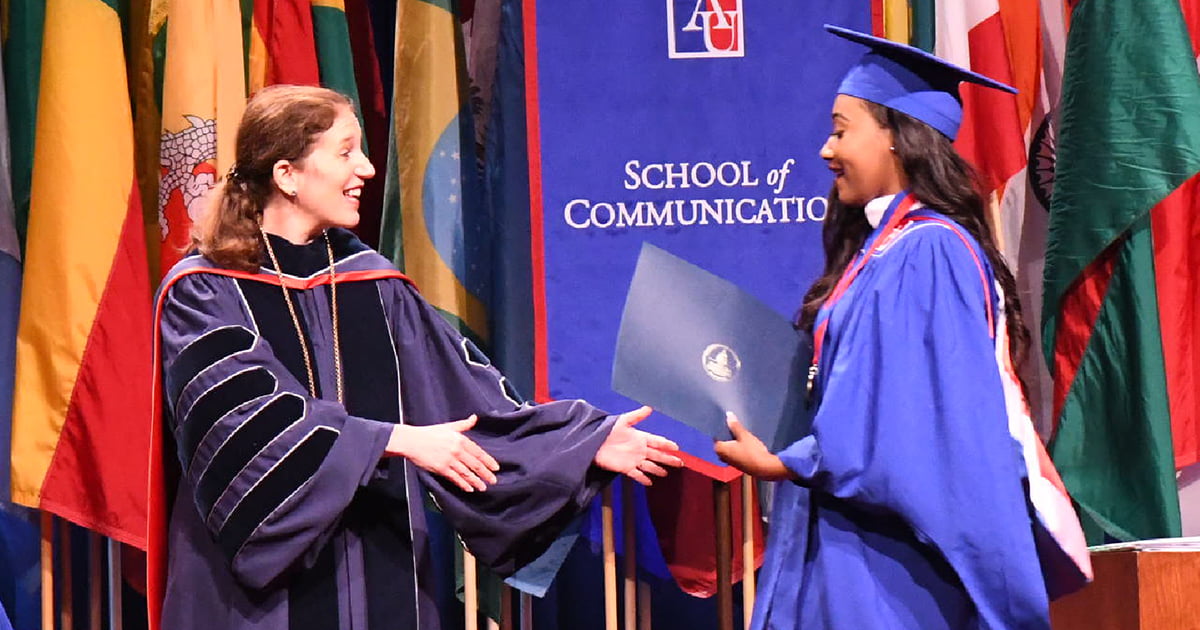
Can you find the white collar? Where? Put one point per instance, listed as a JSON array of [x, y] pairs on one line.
[[876, 208]]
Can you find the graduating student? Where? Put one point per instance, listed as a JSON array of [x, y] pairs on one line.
[[312, 400], [921, 497]]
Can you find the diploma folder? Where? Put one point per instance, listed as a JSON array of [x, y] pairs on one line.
[[693, 345]]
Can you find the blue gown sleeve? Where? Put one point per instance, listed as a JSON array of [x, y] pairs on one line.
[[545, 451], [270, 468], [911, 422]]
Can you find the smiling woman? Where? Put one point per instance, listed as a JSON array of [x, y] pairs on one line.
[[918, 498], [321, 189], [312, 399]]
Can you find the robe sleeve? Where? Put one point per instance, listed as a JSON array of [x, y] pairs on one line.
[[270, 468], [545, 451], [912, 422]]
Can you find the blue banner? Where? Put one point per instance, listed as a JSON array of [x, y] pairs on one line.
[[694, 125]]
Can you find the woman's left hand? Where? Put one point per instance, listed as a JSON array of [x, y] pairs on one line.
[[635, 453], [748, 454]]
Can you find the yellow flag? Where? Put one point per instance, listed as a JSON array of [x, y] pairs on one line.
[[204, 93]]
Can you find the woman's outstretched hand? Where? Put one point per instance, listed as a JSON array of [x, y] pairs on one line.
[[636, 453], [442, 449], [748, 454]]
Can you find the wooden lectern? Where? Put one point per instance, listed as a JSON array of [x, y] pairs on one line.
[[1135, 590]]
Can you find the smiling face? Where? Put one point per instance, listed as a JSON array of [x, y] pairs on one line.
[[325, 185], [859, 153]]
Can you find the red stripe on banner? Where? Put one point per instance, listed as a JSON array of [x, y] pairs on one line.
[[991, 136], [877, 12], [97, 477], [1175, 223], [537, 236], [1076, 322]]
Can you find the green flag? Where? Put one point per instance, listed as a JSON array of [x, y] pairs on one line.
[[22, 33], [1128, 156]]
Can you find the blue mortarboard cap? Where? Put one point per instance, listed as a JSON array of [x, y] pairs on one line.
[[909, 80]]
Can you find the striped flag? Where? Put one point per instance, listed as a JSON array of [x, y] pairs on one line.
[[1118, 324], [83, 345], [435, 226], [204, 93], [1009, 139]]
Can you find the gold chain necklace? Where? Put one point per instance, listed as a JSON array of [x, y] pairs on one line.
[[287, 298]]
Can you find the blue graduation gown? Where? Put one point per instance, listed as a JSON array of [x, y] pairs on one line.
[[908, 508]]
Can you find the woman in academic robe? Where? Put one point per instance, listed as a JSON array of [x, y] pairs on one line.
[[919, 497], [312, 400]]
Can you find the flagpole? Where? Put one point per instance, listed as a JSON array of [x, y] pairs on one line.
[[470, 591], [747, 550], [610, 560], [630, 545], [526, 611], [115, 616], [47, 570], [507, 618], [721, 513], [95, 578], [644, 619], [66, 605]]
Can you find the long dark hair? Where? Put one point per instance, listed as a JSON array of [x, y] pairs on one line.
[[281, 122], [942, 180]]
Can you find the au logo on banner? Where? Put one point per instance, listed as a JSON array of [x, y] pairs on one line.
[[705, 28]]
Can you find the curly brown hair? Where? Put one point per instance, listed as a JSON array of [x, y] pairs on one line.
[[281, 122]]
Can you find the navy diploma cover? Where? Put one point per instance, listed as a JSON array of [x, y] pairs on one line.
[[694, 346]]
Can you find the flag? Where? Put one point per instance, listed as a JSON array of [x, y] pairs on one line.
[[22, 34], [1128, 161], [283, 44], [1001, 134], [373, 107], [83, 343], [346, 56], [147, 46], [10, 297], [999, 39], [435, 226], [335, 59], [204, 93], [1191, 16], [18, 534]]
